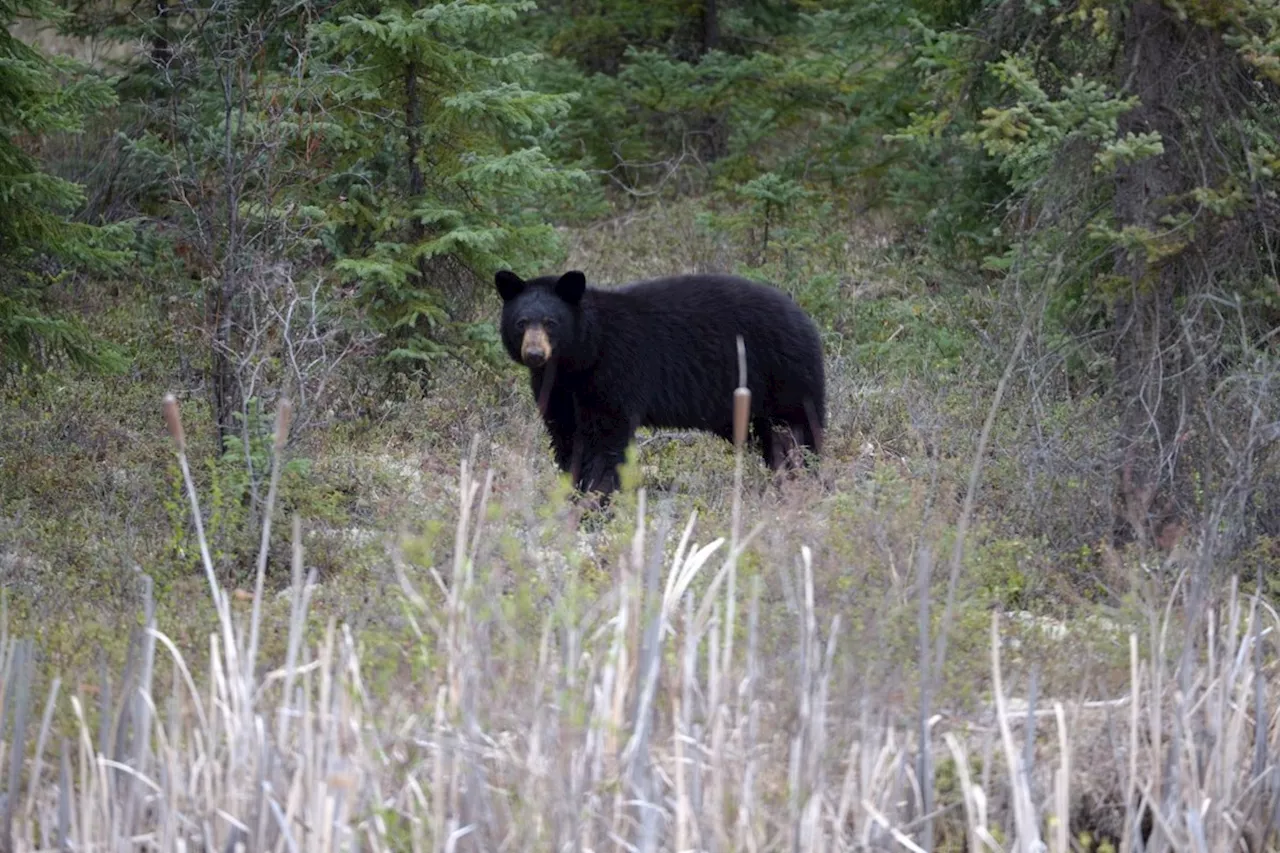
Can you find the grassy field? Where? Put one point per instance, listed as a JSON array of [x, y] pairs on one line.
[[426, 651]]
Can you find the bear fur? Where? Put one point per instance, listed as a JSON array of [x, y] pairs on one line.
[[661, 353]]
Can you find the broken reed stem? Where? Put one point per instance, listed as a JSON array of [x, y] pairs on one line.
[[1062, 784], [746, 838], [1131, 782], [924, 575], [299, 601], [741, 399], [1024, 817]]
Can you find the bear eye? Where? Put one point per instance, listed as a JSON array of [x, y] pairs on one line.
[[549, 323], [520, 324]]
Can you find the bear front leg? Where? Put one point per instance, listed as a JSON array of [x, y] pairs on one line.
[[561, 426], [600, 475], [604, 445], [556, 407]]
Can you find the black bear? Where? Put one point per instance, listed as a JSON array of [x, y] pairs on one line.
[[661, 353]]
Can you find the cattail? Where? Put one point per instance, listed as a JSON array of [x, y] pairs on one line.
[[174, 421], [283, 415], [741, 399]]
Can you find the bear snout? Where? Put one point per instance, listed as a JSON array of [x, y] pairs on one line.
[[535, 349]]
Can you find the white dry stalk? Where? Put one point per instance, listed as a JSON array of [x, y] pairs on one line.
[[808, 630], [679, 577], [742, 406], [1062, 785], [1131, 780], [281, 434], [746, 839], [975, 820], [1028, 832]]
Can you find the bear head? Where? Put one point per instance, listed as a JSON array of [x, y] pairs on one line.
[[539, 316]]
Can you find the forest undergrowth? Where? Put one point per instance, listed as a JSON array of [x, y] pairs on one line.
[[424, 658], [709, 687]]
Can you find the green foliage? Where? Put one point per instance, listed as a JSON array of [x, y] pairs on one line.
[[795, 89], [40, 97], [1043, 106], [421, 215], [1027, 136], [26, 330], [911, 336], [1122, 215]]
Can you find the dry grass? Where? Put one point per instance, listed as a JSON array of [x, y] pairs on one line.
[[670, 707]]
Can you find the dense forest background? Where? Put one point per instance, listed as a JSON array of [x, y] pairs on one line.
[[1039, 237]]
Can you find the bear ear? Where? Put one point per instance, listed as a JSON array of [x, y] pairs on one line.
[[571, 286], [509, 285]]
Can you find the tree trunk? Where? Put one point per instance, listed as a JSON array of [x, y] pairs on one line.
[[712, 133], [710, 26], [1152, 404], [413, 136], [226, 386], [161, 52], [413, 142]]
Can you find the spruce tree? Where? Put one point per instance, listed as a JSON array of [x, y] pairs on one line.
[[441, 175], [1135, 144], [39, 239]]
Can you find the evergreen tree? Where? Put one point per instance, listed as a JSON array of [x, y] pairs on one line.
[[38, 237], [1136, 143], [440, 175], [670, 83]]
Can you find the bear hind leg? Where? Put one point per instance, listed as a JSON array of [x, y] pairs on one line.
[[787, 445], [766, 440]]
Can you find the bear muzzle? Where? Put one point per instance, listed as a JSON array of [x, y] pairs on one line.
[[535, 349]]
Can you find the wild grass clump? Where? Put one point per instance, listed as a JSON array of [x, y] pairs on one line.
[[703, 696]]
